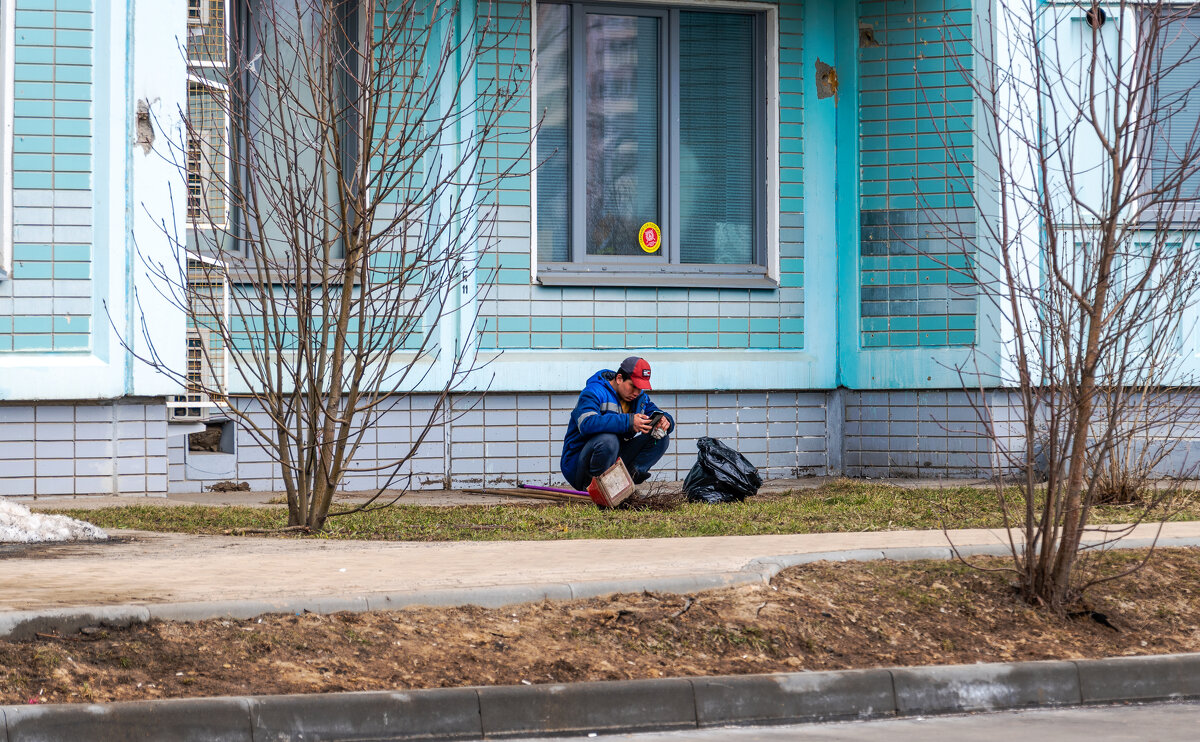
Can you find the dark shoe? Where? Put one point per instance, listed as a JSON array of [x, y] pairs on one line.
[[640, 476]]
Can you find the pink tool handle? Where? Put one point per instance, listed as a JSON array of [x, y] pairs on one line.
[[553, 489]]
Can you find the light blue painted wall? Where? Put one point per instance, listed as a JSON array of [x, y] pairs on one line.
[[908, 317], [47, 304], [916, 156]]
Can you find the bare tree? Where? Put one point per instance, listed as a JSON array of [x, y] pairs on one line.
[[1087, 261], [341, 167]]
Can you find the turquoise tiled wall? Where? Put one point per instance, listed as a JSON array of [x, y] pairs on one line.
[[47, 304], [916, 154], [519, 314]]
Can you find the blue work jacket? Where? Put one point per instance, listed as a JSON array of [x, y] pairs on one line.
[[599, 411]]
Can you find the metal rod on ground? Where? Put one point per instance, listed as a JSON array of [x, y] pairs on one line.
[[553, 489], [556, 497]]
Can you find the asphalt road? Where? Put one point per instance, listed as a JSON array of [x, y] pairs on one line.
[[1172, 722]]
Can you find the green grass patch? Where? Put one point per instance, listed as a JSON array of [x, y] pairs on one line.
[[839, 506]]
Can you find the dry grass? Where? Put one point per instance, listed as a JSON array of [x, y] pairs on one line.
[[839, 506]]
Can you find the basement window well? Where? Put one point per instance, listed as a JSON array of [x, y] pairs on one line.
[[217, 437]]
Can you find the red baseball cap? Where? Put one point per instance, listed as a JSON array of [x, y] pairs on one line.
[[637, 369]]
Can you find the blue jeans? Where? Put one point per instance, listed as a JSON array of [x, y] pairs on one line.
[[603, 449]]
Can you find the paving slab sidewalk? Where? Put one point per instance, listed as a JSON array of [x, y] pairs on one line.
[[142, 574]]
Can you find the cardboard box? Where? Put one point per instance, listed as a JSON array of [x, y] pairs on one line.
[[612, 487]]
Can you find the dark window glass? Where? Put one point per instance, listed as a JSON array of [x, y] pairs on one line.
[[1175, 147], [554, 132], [622, 131], [716, 138]]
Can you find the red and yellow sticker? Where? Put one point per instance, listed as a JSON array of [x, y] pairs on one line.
[[650, 237]]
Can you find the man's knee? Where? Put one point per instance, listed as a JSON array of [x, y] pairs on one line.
[[605, 447]]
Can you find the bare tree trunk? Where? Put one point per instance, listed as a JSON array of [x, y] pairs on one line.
[[337, 211], [1096, 262]]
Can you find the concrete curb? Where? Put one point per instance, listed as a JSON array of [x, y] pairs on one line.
[[24, 624], [616, 706]]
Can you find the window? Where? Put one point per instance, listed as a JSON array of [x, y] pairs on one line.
[[208, 134], [197, 12], [650, 116], [1174, 149], [235, 95], [205, 155]]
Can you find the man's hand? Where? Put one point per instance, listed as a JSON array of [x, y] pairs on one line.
[[641, 423], [664, 423]]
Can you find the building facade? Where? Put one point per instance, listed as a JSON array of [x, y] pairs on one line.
[[808, 169]]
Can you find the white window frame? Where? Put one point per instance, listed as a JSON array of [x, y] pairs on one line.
[[679, 274], [7, 85]]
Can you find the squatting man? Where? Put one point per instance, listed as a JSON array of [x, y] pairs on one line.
[[614, 419]]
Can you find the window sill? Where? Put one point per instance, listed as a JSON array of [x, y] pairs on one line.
[[689, 276]]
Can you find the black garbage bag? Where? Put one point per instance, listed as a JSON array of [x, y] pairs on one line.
[[720, 474]]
